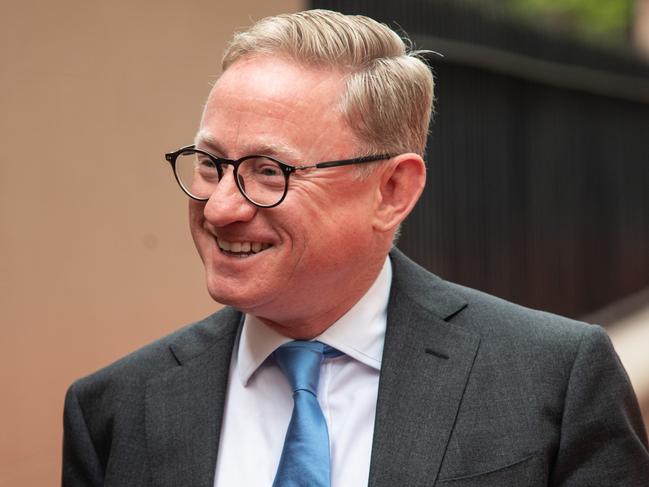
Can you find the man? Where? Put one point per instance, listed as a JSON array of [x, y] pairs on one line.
[[307, 159]]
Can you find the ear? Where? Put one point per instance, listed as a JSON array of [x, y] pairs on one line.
[[400, 185]]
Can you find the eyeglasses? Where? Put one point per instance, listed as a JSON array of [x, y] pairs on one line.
[[262, 180]]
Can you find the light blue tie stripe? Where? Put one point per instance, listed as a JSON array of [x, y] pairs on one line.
[[305, 458]]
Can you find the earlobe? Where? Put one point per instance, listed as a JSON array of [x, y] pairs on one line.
[[401, 183]]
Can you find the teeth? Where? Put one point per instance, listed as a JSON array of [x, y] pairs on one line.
[[242, 247]]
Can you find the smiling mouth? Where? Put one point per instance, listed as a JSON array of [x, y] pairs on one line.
[[241, 249]]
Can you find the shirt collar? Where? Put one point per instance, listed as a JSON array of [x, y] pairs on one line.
[[359, 333]]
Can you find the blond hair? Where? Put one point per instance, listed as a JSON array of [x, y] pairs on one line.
[[389, 89]]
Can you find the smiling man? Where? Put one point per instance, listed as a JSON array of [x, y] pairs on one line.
[[330, 235], [338, 361]]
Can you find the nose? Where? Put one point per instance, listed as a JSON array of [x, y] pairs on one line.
[[226, 204]]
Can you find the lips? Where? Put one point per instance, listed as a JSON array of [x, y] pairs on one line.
[[241, 249]]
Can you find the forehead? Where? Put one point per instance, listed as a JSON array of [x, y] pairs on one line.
[[279, 78], [275, 102]]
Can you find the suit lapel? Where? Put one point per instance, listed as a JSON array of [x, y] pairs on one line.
[[184, 406], [425, 367]]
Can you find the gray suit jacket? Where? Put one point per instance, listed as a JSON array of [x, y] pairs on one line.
[[474, 391]]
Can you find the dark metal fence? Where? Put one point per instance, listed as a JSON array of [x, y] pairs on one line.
[[538, 185]]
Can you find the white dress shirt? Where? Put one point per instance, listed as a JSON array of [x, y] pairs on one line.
[[259, 401]]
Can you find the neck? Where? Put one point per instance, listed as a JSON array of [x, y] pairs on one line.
[[298, 331], [312, 319], [307, 327]]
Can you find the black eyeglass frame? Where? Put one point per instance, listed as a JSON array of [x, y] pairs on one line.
[[287, 169]]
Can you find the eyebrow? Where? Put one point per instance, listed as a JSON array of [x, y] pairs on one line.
[[203, 137], [273, 149]]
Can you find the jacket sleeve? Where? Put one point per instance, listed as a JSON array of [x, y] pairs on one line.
[[81, 466], [603, 439]]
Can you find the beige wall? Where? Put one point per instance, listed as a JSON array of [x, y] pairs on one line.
[[95, 258]]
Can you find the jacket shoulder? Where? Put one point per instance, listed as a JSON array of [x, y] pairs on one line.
[[493, 315], [495, 320]]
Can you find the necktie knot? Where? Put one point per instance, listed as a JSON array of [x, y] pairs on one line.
[[300, 362]]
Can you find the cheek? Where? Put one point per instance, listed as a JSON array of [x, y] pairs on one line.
[[196, 220], [337, 238], [196, 216], [328, 222]]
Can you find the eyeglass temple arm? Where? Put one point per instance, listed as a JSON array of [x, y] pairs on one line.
[[345, 162]]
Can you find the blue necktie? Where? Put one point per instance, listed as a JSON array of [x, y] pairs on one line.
[[305, 458]]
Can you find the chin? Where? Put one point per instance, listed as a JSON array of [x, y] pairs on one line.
[[235, 296], [222, 297]]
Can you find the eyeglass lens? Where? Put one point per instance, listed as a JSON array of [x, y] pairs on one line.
[[260, 179]]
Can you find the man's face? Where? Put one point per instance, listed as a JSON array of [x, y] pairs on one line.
[[320, 251]]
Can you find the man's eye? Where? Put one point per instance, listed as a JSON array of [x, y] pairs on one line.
[[268, 170], [261, 167], [204, 162], [206, 168]]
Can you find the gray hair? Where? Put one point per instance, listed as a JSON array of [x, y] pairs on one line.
[[389, 89]]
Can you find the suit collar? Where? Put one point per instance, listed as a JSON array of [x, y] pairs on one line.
[[426, 365], [196, 339], [423, 288], [184, 405]]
